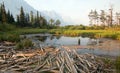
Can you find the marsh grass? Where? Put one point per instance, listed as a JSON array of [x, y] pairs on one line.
[[24, 44], [93, 33], [117, 64], [12, 33]]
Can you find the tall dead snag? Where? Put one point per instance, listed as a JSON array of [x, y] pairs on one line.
[[111, 17]]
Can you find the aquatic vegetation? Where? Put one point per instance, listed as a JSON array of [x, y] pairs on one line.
[[26, 43], [93, 33], [118, 65], [10, 37], [12, 34]]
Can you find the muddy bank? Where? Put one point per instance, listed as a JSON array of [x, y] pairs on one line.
[[103, 47]]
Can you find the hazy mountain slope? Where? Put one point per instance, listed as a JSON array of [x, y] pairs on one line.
[[15, 5], [55, 16]]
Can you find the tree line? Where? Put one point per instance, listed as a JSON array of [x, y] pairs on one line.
[[5, 17], [23, 19], [104, 18]]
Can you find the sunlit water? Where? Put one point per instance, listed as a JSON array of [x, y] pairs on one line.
[[63, 40], [50, 40]]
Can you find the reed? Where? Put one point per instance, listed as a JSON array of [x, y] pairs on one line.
[[24, 44], [118, 65]]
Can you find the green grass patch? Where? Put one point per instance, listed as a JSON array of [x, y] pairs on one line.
[[12, 33]]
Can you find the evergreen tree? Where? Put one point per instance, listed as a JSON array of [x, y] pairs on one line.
[[18, 20], [51, 21], [37, 24], [8, 17], [37, 19], [12, 20], [5, 17], [57, 23], [27, 20], [43, 22], [31, 18], [22, 17], [37, 16], [3, 13]]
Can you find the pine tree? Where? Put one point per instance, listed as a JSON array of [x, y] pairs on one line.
[[18, 20], [27, 20], [37, 24], [12, 20], [4, 16], [1, 13], [22, 17], [51, 21], [37, 19], [31, 18], [43, 22], [37, 16], [57, 23], [8, 17]]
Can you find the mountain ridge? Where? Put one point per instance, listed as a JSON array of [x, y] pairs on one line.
[[15, 10]]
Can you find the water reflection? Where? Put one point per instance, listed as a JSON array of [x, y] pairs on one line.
[[75, 41], [42, 38], [58, 37], [63, 40], [51, 37], [99, 52], [78, 41]]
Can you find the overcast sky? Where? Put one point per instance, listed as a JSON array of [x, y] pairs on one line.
[[77, 10]]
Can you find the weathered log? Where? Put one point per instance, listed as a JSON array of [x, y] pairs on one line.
[[65, 60], [41, 66], [2, 61]]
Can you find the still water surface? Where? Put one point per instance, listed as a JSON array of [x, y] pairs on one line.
[[50, 40]]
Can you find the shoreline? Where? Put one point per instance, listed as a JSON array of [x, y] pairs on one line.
[[104, 45]]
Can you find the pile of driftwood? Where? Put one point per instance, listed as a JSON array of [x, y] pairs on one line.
[[52, 60]]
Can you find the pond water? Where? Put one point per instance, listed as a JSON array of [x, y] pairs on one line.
[[63, 40], [49, 40]]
